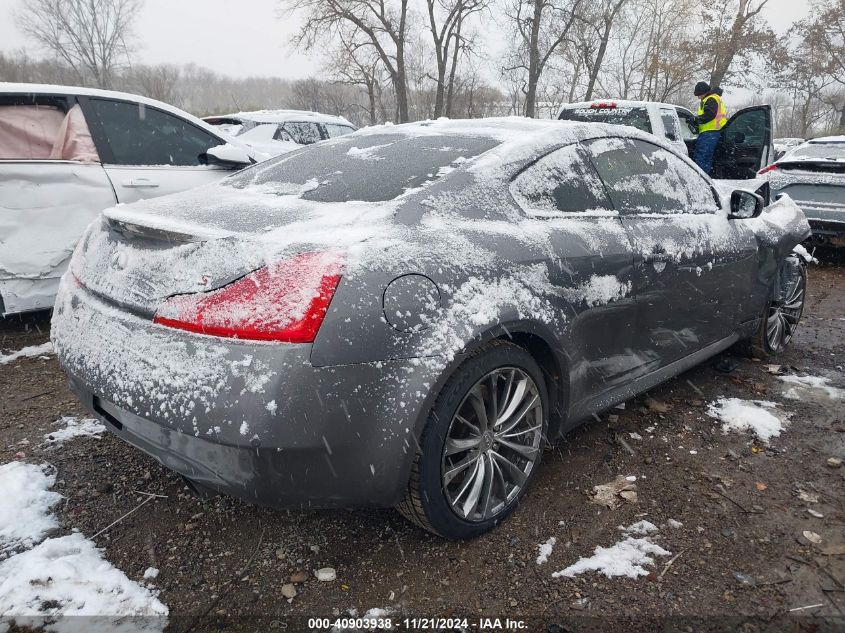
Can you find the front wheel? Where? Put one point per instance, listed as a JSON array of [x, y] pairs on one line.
[[481, 446], [783, 311]]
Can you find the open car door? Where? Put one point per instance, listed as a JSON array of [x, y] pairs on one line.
[[746, 145]]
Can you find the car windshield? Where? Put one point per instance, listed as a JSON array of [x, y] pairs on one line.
[[371, 168], [818, 151], [635, 117]]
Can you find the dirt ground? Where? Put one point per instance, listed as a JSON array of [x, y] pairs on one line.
[[739, 553]]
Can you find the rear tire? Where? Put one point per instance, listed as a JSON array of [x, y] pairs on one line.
[[481, 445], [783, 311]]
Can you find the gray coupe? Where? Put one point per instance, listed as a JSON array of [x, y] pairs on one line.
[[402, 316]]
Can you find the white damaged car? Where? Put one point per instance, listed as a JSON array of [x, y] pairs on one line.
[[67, 153]]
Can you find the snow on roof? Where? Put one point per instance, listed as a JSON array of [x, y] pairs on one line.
[[828, 139], [283, 116], [620, 103]]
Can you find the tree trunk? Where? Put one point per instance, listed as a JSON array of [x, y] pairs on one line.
[[450, 93], [842, 120], [605, 38], [533, 61]]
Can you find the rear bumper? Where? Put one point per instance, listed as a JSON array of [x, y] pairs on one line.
[[253, 420]]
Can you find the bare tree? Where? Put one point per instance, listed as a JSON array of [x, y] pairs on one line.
[[383, 22], [829, 29], [447, 22], [354, 62], [540, 26], [597, 22], [91, 36], [733, 29]]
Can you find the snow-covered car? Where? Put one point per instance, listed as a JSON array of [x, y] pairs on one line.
[[280, 131], [67, 153], [783, 145], [813, 174], [400, 317], [745, 146]]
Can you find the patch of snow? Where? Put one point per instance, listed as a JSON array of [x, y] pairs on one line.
[[244, 428], [61, 576], [802, 252], [748, 415], [150, 572], [545, 550], [626, 558], [24, 505], [811, 383], [367, 153], [74, 427], [674, 524], [68, 576], [27, 352], [640, 527]]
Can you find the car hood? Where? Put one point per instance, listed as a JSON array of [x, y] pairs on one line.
[[136, 256]]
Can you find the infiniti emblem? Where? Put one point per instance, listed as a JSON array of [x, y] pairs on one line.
[[118, 261]]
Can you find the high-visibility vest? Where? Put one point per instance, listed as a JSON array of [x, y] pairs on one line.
[[720, 119]]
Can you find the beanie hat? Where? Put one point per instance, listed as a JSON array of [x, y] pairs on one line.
[[701, 88]]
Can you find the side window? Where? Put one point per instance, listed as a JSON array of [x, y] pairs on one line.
[[748, 128], [303, 132], [140, 135], [670, 124], [334, 129], [281, 135], [44, 128], [563, 181], [645, 178], [689, 130]]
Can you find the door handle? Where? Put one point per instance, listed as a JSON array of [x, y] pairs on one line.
[[138, 183]]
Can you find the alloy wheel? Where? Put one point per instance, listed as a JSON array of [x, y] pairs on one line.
[[786, 309], [492, 444]]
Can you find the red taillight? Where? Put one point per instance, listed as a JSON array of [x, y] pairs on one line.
[[603, 104], [284, 301], [767, 169]]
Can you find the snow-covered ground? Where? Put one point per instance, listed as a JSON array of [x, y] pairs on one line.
[[761, 417], [629, 557], [27, 352], [74, 427], [802, 384], [42, 578]]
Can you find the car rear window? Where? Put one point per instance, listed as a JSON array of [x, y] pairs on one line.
[[818, 151], [371, 168], [633, 116]]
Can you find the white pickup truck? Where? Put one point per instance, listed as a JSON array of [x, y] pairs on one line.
[[746, 145]]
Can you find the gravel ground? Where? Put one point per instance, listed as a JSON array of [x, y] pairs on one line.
[[739, 552]]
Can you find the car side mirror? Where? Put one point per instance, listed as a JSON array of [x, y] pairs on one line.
[[227, 156], [745, 205]]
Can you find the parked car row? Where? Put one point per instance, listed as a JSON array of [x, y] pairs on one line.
[[278, 131], [813, 174]]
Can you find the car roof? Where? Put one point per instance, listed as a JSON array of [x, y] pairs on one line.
[[827, 139], [283, 116], [624, 103], [52, 89], [513, 131]]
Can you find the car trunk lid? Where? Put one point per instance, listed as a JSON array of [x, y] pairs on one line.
[[139, 255]]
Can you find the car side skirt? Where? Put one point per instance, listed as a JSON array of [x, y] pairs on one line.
[[613, 397]]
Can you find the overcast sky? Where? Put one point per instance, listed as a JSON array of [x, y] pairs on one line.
[[247, 37]]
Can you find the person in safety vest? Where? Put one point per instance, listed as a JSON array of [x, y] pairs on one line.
[[711, 118]]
